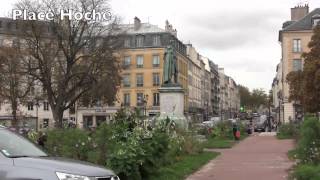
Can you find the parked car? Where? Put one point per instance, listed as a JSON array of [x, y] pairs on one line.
[[21, 159], [260, 123]]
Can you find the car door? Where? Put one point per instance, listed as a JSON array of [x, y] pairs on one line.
[[6, 165]]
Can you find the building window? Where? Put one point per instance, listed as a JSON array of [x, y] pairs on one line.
[[126, 62], [126, 80], [45, 123], [30, 106], [87, 122], [297, 45], [316, 22], [156, 40], [139, 61], [297, 65], [126, 99], [139, 41], [45, 106], [139, 80], [155, 60], [156, 99], [140, 99], [127, 42], [156, 79]]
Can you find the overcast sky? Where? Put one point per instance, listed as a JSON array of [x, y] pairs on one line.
[[241, 36]]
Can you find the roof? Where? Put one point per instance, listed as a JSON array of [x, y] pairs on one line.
[[144, 28], [305, 23]]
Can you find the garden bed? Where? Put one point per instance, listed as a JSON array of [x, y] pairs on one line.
[[184, 167]]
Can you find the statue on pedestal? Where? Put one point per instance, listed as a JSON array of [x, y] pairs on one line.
[[170, 69]]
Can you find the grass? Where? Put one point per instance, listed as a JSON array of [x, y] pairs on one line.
[[219, 143], [222, 143], [284, 136], [186, 166]]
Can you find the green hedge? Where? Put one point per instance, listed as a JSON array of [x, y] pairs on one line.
[[306, 172], [288, 131]]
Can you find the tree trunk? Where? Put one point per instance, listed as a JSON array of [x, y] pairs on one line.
[[14, 107], [58, 117]]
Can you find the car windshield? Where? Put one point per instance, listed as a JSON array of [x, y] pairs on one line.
[[14, 146]]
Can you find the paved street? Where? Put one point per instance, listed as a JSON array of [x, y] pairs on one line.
[[256, 158]]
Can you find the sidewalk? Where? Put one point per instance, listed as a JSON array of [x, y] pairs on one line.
[[255, 158]]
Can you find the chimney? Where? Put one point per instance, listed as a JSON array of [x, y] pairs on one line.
[[299, 12], [170, 29], [137, 23]]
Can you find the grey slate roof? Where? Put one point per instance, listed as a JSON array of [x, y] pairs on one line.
[[303, 24], [144, 28]]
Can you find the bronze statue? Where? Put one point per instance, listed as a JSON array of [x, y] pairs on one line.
[[170, 69]]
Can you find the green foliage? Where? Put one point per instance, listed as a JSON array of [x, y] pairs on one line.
[[133, 151], [308, 149], [306, 172], [187, 165], [219, 143], [70, 143], [252, 100], [223, 130], [288, 131]]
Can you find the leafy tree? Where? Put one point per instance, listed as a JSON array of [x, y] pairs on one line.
[[245, 96], [72, 59], [252, 100], [295, 81], [15, 84], [311, 74]]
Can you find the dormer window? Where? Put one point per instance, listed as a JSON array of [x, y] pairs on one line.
[[139, 41], [316, 20]]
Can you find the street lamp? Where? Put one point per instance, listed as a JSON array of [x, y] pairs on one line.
[[144, 100], [37, 112]]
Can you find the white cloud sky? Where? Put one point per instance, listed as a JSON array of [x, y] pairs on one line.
[[241, 36]]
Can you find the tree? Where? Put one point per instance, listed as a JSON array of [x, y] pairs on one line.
[[252, 100], [259, 97], [295, 81], [305, 84], [245, 96], [72, 58], [15, 84], [311, 74]]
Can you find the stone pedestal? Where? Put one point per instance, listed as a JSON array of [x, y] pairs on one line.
[[172, 104]]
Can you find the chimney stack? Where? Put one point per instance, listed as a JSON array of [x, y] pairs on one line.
[[137, 23], [169, 28], [299, 12]]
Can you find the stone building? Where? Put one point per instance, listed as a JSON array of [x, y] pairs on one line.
[[195, 86], [294, 38]]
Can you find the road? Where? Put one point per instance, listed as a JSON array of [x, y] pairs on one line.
[[255, 158]]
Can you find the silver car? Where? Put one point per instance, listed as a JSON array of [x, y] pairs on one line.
[[22, 160]]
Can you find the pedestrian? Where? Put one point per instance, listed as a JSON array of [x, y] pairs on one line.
[[236, 132], [42, 139]]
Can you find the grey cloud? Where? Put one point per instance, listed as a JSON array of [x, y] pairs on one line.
[[232, 30]]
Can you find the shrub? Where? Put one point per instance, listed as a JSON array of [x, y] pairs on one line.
[[124, 145], [306, 172], [70, 143], [288, 131], [308, 149], [223, 130]]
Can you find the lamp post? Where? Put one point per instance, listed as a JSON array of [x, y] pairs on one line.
[[144, 101], [37, 113]]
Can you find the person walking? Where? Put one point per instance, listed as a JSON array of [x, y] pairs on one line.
[[236, 131]]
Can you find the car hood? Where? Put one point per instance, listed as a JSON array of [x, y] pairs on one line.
[[63, 165]]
